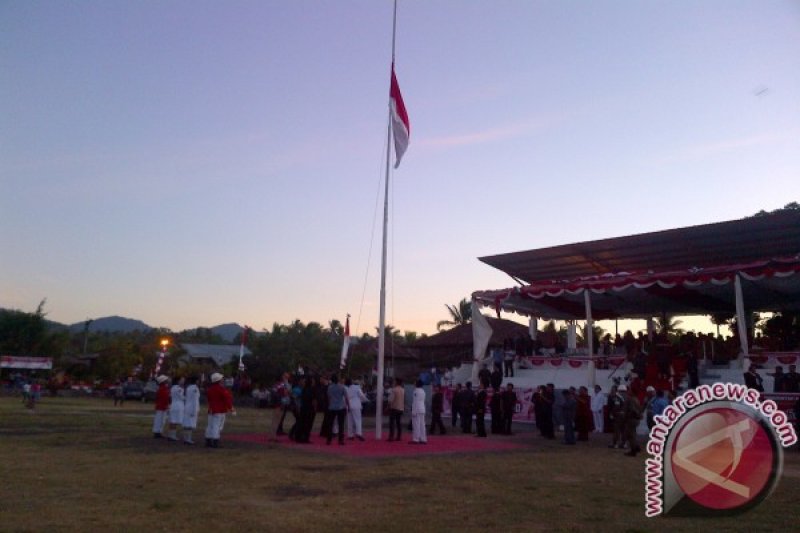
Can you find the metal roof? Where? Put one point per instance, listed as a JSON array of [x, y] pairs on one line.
[[772, 285], [220, 354], [708, 245]]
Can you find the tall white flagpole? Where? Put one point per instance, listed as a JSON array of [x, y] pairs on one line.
[[382, 322]]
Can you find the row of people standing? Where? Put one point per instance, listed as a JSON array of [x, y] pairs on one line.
[[179, 406], [467, 403], [569, 408], [305, 396]]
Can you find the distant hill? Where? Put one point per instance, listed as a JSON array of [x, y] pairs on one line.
[[227, 331], [113, 324], [55, 326]]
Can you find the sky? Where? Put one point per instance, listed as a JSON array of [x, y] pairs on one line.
[[191, 163]]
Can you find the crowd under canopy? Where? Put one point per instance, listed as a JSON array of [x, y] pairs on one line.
[[737, 267]]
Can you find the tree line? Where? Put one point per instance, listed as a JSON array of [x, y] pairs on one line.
[[109, 356]]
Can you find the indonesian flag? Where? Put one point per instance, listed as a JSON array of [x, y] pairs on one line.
[[346, 344], [401, 128]]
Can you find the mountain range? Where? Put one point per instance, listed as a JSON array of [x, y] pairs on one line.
[[119, 324]]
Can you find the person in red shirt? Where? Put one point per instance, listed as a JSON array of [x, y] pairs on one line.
[[162, 405], [220, 403]]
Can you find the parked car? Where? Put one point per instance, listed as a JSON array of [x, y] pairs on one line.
[[149, 391], [133, 390]]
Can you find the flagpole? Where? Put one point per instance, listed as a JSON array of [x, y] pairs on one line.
[[382, 321]]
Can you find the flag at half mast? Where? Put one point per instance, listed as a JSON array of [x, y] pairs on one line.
[[401, 128]]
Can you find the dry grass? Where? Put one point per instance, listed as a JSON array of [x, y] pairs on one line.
[[82, 465]]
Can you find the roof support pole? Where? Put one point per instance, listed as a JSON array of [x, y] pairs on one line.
[[741, 323], [587, 300]]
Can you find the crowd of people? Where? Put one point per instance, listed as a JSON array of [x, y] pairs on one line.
[[304, 396], [643, 393], [177, 404], [781, 381]]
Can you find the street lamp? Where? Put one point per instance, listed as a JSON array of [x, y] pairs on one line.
[[164, 344]]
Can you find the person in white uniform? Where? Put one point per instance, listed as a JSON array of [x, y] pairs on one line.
[[190, 409], [599, 401], [176, 408], [354, 396], [418, 435]]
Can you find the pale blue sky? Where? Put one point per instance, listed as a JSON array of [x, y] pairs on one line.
[[192, 163]]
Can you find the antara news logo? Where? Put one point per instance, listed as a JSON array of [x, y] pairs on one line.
[[717, 449]]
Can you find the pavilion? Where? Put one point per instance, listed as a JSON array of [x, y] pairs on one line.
[[738, 267]]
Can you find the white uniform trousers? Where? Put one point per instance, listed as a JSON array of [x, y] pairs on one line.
[[598, 421], [354, 422], [158, 421], [176, 413], [418, 428], [214, 427], [189, 419]]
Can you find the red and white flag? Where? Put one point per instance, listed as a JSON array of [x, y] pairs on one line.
[[401, 128], [346, 344]]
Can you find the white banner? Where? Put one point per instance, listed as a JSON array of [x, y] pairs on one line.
[[30, 363]]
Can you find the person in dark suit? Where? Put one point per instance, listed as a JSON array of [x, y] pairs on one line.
[[480, 410], [791, 380], [455, 406], [753, 380], [496, 407], [692, 371], [485, 376], [496, 378], [509, 408], [467, 408], [568, 409], [437, 407]]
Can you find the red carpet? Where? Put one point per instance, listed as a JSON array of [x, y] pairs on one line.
[[457, 443]]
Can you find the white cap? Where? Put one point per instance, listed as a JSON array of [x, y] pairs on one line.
[[162, 379], [650, 388], [622, 388], [215, 377]]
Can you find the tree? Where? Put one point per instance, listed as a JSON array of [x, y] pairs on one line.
[[460, 314], [667, 324], [411, 336], [392, 334], [22, 333], [336, 328], [721, 319], [791, 206]]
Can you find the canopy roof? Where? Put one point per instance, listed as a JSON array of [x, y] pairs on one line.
[[710, 245], [764, 251]]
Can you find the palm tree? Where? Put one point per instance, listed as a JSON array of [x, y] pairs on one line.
[[460, 314], [721, 319], [666, 325], [411, 336], [393, 334], [336, 328]]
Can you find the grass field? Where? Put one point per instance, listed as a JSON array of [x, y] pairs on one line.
[[84, 465]]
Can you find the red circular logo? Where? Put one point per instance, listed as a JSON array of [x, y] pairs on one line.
[[722, 458]]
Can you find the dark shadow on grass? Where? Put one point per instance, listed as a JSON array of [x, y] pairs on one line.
[[293, 492], [321, 468], [386, 481]]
